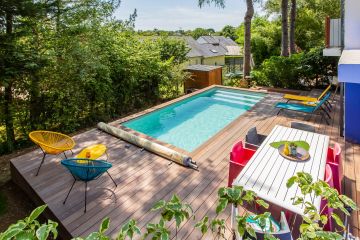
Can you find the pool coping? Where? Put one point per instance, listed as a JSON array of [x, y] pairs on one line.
[[117, 123]]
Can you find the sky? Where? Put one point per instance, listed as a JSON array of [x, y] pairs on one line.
[[181, 14]]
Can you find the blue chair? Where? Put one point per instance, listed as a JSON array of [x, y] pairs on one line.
[[306, 108], [283, 233], [86, 170]]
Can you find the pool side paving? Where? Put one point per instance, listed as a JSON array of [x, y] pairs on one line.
[[144, 178]]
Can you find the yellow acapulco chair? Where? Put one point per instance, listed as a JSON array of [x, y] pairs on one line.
[[53, 143]]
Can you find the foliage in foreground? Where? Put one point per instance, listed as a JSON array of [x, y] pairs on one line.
[[175, 214]]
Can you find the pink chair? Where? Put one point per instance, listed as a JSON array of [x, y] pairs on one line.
[[239, 156], [327, 211], [334, 160]]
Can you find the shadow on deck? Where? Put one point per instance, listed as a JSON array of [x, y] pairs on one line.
[[144, 178]]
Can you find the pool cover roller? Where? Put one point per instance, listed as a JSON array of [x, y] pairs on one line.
[[149, 145]]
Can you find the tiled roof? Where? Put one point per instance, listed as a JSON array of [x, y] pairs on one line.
[[212, 46]]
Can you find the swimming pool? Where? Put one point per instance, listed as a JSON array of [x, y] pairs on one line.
[[190, 122]]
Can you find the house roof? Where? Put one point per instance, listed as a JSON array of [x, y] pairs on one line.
[[228, 46], [212, 46], [203, 50], [203, 68]]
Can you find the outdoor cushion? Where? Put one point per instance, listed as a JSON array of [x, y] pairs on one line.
[[295, 107]]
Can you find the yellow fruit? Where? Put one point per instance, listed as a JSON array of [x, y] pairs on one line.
[[286, 149]]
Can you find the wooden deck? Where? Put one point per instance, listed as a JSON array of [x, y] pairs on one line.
[[144, 178]]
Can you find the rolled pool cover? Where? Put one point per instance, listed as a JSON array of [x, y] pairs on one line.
[[149, 145]]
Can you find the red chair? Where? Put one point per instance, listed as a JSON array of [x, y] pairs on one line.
[[327, 211], [334, 160], [239, 156]]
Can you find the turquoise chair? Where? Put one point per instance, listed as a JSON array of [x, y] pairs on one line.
[[86, 170], [305, 108]]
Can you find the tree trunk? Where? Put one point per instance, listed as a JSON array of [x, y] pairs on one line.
[[247, 41], [292, 27], [35, 104], [284, 29], [9, 124]]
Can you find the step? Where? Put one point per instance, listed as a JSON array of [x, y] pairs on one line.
[[242, 93], [239, 97], [233, 102]]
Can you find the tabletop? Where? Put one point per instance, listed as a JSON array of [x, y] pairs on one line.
[[267, 171]]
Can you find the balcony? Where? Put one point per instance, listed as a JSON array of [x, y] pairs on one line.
[[332, 37]]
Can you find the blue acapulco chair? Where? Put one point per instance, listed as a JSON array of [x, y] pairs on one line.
[[305, 108], [86, 170]]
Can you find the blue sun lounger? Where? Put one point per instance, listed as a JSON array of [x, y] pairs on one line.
[[305, 108]]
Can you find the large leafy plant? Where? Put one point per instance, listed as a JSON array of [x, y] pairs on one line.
[[173, 209], [30, 228], [314, 221], [238, 197]]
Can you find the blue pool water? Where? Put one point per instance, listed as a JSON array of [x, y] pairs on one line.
[[189, 123]]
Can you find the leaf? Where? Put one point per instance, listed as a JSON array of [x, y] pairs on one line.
[[291, 181], [262, 203], [348, 202], [9, 234], [158, 205], [104, 225], [42, 233], [337, 220], [36, 213], [223, 202], [164, 236]]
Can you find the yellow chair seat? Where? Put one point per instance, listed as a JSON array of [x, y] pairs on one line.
[[300, 98], [93, 151], [311, 101], [52, 142]]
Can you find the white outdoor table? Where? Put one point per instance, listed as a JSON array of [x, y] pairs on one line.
[[267, 171]]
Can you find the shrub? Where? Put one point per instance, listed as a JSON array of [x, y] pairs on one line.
[[282, 72], [298, 71]]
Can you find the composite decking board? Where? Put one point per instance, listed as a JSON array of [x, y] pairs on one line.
[[123, 193], [215, 152], [128, 174], [218, 151]]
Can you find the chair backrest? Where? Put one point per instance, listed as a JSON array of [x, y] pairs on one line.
[[321, 102], [324, 92], [85, 169], [52, 139], [328, 176], [283, 234], [326, 210], [237, 151], [337, 153], [252, 136], [302, 126]]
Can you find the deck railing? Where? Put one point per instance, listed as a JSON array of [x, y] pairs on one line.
[[332, 32]]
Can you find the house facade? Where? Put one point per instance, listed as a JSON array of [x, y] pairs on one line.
[[215, 51], [343, 40]]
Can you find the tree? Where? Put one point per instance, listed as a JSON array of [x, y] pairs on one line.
[[292, 27], [229, 31], [247, 30], [198, 32], [310, 19], [284, 28]]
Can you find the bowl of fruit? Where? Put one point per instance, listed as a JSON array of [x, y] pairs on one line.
[[293, 150]]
